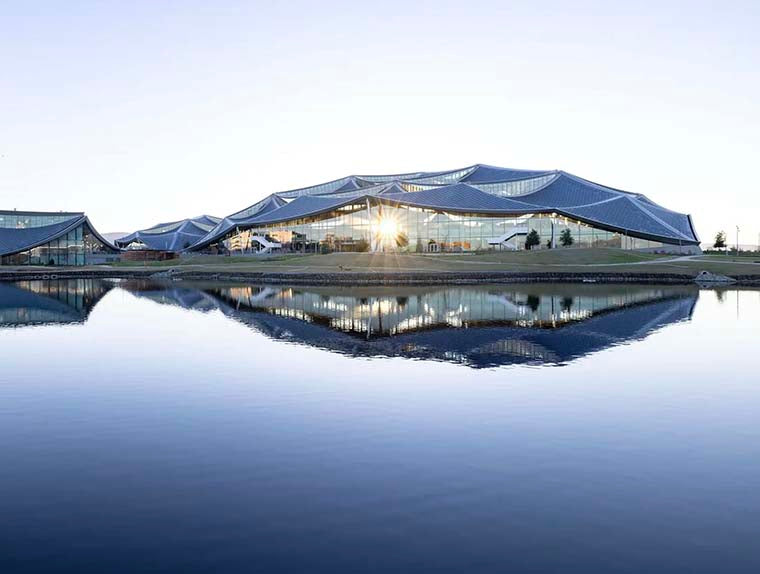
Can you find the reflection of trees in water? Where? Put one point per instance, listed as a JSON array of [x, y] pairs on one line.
[[566, 304]]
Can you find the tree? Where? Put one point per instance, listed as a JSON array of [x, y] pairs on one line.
[[362, 245], [402, 239], [533, 239], [566, 238], [720, 240], [548, 243]]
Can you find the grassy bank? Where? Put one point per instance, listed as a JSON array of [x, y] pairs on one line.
[[552, 261], [589, 262]]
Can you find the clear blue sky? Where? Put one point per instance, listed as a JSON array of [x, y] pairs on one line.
[[139, 112]]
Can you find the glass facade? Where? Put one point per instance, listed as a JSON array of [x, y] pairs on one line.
[[447, 178], [512, 188], [316, 189], [390, 178], [502, 188], [77, 247], [19, 220], [411, 229]]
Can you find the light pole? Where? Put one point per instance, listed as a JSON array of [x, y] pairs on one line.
[[737, 241]]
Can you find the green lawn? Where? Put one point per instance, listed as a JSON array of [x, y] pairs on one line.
[[555, 260], [752, 258]]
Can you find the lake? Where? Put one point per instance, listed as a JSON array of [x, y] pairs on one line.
[[213, 427]]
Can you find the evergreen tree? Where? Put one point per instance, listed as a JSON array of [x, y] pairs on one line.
[[720, 240], [532, 240], [566, 238]]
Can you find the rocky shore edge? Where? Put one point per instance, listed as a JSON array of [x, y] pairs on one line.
[[371, 277]]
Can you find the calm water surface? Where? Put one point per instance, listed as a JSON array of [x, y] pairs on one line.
[[244, 428]]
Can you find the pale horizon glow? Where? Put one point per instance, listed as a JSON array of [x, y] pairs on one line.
[[146, 112]]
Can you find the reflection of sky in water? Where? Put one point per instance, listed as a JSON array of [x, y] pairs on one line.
[[155, 436]]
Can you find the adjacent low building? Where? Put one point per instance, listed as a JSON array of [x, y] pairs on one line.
[[475, 208], [51, 238], [171, 237]]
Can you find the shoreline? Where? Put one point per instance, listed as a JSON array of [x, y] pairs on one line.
[[373, 277]]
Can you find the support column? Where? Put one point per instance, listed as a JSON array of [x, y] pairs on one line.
[[554, 239], [372, 240]]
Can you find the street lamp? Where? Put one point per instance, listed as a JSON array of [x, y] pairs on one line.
[[737, 240]]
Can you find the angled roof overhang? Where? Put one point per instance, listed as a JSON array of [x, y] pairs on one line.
[[14, 241]]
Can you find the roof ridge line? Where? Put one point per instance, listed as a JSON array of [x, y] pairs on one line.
[[604, 187], [653, 216]]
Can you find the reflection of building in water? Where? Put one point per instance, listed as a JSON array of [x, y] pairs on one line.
[[168, 293], [50, 301], [380, 311], [479, 326]]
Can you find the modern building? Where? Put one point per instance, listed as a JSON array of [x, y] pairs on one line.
[[174, 236], [479, 207], [51, 238]]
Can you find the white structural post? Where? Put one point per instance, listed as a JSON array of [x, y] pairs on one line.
[[372, 242], [553, 239], [737, 240]]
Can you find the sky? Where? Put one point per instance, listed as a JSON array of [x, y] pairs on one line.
[[144, 112]]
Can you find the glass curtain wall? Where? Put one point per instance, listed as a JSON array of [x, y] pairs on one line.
[[412, 229], [26, 220], [74, 248]]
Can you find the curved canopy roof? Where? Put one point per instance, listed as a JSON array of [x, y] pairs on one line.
[[14, 240], [171, 236], [459, 197], [476, 189]]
